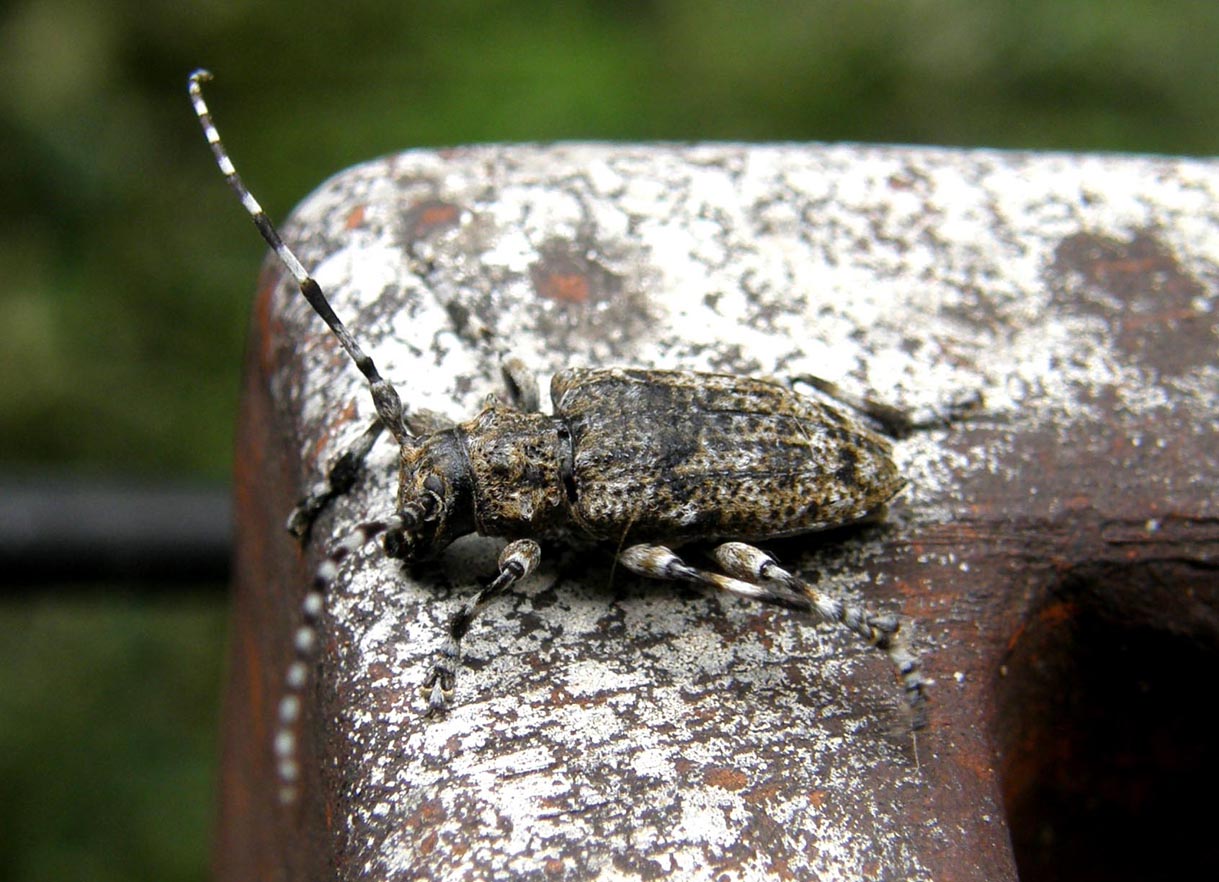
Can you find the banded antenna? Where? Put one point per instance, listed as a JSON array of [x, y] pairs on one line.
[[384, 395]]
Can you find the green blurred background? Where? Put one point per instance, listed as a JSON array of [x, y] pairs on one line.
[[128, 270]]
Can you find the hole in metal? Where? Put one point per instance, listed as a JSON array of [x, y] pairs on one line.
[[1108, 726]]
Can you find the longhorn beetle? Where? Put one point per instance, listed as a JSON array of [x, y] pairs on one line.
[[629, 457]]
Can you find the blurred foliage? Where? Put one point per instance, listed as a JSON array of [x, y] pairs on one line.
[[129, 271], [107, 730]]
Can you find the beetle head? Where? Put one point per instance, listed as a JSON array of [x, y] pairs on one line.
[[435, 500]]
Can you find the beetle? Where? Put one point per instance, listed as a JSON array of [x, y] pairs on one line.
[[644, 459]]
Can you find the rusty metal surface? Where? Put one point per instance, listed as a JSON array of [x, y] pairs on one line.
[[610, 728]]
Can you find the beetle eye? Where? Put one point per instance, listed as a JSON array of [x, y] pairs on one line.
[[430, 505], [433, 483]]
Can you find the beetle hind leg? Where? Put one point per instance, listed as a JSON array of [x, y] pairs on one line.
[[895, 422], [658, 562], [516, 561], [751, 572], [883, 631]]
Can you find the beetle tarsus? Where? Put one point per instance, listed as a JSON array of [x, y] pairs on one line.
[[516, 561]]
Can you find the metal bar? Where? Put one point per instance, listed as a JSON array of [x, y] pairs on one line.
[[80, 529]]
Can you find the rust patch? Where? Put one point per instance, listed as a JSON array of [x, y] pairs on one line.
[[564, 287], [427, 218], [345, 416], [767, 790], [1056, 614], [355, 217], [726, 779], [584, 300], [565, 274], [428, 843], [579, 296], [1143, 292], [780, 868], [429, 816], [267, 322]]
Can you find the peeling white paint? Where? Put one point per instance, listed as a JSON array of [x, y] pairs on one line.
[[762, 259]]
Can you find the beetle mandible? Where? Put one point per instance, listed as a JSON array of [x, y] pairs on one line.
[[645, 459]]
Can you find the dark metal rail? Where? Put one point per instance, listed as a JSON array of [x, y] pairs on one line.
[[67, 528]]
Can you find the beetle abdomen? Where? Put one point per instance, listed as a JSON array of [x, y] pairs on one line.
[[673, 454]]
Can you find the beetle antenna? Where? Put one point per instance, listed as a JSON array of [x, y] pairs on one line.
[[384, 396]]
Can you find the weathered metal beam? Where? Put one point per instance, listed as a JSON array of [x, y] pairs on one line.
[[607, 727]]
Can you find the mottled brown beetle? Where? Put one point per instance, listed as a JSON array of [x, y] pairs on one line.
[[636, 456]]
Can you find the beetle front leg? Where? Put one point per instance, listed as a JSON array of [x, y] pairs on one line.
[[342, 475], [516, 561], [521, 384]]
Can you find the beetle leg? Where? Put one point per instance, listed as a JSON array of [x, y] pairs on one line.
[[658, 562], [304, 646], [756, 566], [347, 468], [753, 573], [516, 561], [895, 421], [342, 475], [522, 385]]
